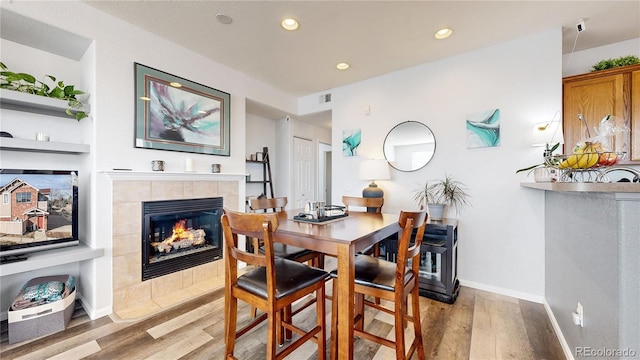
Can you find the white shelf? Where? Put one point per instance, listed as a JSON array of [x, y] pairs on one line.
[[48, 258], [43, 146], [20, 101]]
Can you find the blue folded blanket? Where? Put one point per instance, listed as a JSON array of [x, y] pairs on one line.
[[39, 294]]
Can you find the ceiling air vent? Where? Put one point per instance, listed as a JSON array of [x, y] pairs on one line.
[[325, 98]]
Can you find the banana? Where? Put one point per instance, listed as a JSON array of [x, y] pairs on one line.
[[570, 162]]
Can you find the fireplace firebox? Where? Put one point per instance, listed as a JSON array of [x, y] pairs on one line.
[[180, 234]]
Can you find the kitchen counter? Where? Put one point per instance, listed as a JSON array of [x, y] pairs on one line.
[[617, 187], [592, 247]]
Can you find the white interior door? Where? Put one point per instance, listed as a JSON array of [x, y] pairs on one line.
[[303, 179]]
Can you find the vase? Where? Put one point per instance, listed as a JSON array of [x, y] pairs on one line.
[[436, 211]]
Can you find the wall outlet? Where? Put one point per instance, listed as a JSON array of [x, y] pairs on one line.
[[580, 312]]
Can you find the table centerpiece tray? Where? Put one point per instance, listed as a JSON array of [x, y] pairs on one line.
[[332, 213]]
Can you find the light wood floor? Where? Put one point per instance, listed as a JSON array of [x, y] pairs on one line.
[[480, 325]]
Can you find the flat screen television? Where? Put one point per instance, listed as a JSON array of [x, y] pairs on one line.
[[38, 211]]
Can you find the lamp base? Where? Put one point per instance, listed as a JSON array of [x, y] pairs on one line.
[[373, 191]]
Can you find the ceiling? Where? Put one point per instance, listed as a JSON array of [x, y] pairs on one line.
[[374, 37]]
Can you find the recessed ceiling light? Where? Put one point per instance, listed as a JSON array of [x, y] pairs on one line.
[[175, 84], [443, 33], [342, 66], [224, 19], [290, 24]]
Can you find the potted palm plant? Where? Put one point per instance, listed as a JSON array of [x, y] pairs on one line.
[[438, 194]]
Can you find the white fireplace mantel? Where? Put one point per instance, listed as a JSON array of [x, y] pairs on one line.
[[165, 175]]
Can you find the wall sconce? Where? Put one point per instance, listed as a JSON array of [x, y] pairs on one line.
[[548, 133]]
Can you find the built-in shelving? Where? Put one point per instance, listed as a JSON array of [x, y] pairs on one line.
[[48, 258], [12, 144], [36, 104]]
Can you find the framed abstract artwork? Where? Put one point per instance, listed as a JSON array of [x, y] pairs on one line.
[[483, 129], [350, 142], [173, 113]]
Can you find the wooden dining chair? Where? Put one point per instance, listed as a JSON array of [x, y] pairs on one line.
[[369, 203], [274, 284], [289, 252], [394, 282], [374, 203], [298, 254]]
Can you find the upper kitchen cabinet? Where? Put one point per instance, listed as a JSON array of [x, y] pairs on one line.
[[597, 94]]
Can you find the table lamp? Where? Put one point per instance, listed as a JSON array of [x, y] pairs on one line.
[[373, 170]]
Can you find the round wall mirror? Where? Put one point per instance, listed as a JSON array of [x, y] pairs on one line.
[[409, 146]]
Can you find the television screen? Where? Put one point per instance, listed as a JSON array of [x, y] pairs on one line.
[[38, 210]]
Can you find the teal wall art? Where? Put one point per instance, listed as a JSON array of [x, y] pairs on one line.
[[350, 142], [483, 129]]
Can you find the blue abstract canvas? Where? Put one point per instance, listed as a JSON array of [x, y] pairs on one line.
[[483, 129], [350, 142]]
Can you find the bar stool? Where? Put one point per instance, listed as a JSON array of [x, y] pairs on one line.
[[273, 285]]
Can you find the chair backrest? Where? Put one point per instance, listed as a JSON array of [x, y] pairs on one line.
[[408, 221], [276, 204], [363, 202], [260, 226]]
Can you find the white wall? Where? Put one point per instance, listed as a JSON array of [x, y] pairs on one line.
[[260, 132], [107, 72], [581, 62], [502, 235]]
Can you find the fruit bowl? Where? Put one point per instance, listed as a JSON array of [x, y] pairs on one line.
[[587, 160]]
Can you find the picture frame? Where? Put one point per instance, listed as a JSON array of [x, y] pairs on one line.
[[176, 114]]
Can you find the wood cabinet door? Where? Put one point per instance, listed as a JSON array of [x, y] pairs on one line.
[[635, 116], [594, 98]]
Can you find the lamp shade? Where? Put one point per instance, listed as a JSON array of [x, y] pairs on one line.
[[549, 132], [377, 169]]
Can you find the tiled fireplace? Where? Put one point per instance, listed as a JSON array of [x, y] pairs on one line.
[[134, 297], [180, 234]]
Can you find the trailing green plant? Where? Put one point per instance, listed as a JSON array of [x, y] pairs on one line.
[[27, 83], [446, 191], [613, 63], [548, 161]]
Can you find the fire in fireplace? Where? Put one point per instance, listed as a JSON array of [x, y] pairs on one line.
[[179, 234]]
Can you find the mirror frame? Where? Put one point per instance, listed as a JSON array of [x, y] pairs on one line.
[[412, 122]]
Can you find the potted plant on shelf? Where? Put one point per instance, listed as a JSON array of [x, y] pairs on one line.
[[438, 194], [27, 83]]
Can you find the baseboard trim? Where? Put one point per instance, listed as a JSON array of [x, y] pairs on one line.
[[563, 342], [502, 291], [91, 312]]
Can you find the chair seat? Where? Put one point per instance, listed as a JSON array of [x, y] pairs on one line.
[[291, 276], [288, 251], [376, 273]]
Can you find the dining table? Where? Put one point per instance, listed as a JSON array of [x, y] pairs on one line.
[[342, 238]]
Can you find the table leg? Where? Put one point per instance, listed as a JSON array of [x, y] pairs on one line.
[[345, 296]]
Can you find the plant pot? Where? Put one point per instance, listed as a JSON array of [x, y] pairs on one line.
[[436, 211], [545, 175]]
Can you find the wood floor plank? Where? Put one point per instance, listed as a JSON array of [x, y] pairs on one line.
[[78, 352], [178, 346], [434, 325], [58, 342], [180, 320], [501, 333], [455, 342], [542, 337], [120, 337], [480, 325]]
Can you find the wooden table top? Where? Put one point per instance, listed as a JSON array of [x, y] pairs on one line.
[[362, 228]]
